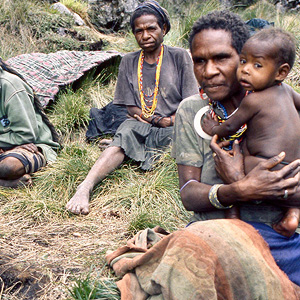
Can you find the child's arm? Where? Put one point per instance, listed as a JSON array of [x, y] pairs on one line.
[[209, 123], [296, 97], [239, 118]]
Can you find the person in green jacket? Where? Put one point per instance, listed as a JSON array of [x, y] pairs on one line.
[[27, 138]]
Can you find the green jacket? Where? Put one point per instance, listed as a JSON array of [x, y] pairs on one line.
[[20, 122]]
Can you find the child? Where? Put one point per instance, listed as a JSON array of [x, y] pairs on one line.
[[270, 111]]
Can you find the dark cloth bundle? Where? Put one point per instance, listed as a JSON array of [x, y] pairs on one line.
[[105, 120]]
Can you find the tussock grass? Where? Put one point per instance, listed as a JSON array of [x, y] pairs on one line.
[[53, 186], [85, 289], [148, 197], [191, 14], [71, 111], [261, 9]]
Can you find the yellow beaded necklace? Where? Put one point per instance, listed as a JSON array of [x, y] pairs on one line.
[[148, 111]]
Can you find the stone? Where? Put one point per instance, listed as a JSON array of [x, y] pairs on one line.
[[111, 15], [64, 10]]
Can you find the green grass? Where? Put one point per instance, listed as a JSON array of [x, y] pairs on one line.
[[71, 111], [191, 14], [86, 289]]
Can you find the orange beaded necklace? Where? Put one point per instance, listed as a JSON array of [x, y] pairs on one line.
[[148, 111]]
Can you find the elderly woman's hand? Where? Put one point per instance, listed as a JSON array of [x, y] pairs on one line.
[[29, 147], [229, 164], [261, 183]]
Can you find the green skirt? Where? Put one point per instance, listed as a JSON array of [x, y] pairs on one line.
[[142, 142]]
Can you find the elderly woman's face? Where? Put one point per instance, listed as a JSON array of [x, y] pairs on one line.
[[148, 33]]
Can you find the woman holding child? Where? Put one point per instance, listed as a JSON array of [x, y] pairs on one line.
[[217, 258], [215, 43]]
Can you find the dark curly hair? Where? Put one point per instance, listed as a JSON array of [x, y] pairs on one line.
[[224, 20], [282, 45]]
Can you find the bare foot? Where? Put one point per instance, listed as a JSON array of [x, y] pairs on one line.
[[289, 223], [104, 143], [79, 203], [25, 180]]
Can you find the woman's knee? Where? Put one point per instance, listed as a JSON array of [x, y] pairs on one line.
[[11, 168]]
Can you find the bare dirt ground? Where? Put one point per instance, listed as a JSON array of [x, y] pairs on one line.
[[41, 261]]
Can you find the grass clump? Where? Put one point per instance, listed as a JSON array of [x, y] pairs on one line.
[[71, 111], [53, 186], [192, 13], [87, 290], [144, 198], [140, 221]]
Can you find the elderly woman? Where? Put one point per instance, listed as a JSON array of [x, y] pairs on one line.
[[27, 139], [151, 84]]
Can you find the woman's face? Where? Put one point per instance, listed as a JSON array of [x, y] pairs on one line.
[[215, 63], [148, 33]]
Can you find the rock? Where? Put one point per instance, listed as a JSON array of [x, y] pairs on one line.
[[111, 15], [64, 10]]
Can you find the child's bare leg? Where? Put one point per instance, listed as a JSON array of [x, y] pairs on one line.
[[232, 213], [289, 223]]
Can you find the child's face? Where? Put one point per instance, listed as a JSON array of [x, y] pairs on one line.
[[257, 70]]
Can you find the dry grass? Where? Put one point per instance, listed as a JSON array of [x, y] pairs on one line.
[[40, 260], [44, 250]]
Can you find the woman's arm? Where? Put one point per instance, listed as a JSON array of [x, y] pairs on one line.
[[194, 194], [259, 184]]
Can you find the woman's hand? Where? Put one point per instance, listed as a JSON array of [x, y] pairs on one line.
[[137, 117], [263, 184], [163, 122], [229, 164], [29, 147]]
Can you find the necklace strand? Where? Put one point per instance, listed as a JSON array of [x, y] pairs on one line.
[[216, 104], [148, 111]]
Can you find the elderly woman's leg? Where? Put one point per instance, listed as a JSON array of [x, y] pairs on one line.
[[12, 173], [109, 160]]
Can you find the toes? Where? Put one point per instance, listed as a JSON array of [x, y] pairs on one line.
[[85, 211], [77, 209]]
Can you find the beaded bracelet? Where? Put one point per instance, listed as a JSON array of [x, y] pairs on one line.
[[213, 197]]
